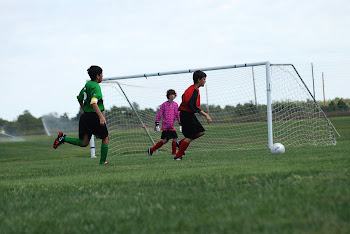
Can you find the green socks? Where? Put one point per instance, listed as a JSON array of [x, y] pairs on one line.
[[77, 141], [73, 141], [104, 152]]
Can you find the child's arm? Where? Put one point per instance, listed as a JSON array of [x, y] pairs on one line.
[[158, 117], [177, 114], [99, 113], [206, 116], [81, 103], [80, 98]]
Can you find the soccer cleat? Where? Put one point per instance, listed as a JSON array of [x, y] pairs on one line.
[[178, 158], [150, 152], [178, 144], [59, 140], [105, 163]]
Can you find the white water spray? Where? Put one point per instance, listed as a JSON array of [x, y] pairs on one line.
[[12, 137], [46, 129]]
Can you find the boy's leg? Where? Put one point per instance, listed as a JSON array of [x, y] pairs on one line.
[[62, 138], [59, 140], [178, 143], [93, 126], [164, 140], [104, 150], [173, 146], [192, 129], [174, 137], [199, 135], [184, 145], [73, 141], [188, 131], [155, 147], [200, 131]]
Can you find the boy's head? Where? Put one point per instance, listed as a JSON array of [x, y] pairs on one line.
[[198, 75], [94, 71], [170, 92]]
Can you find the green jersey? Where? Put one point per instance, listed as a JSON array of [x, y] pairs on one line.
[[91, 93]]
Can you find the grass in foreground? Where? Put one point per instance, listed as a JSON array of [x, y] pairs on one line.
[[306, 190]]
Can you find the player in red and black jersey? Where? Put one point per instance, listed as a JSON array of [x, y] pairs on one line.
[[191, 127]]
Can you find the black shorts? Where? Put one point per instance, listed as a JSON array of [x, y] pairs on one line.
[[89, 124], [169, 135], [190, 125]]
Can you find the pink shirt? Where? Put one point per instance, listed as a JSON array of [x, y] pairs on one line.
[[169, 111]]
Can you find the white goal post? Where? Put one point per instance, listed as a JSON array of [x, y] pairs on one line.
[[252, 106]]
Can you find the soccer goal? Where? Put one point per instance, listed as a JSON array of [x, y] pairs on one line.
[[252, 106]]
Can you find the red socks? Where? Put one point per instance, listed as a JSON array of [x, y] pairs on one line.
[[157, 146], [182, 149], [173, 147]]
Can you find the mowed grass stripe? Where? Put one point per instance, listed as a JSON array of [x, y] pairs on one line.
[[306, 190]]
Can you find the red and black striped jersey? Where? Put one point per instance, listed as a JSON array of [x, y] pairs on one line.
[[191, 100]]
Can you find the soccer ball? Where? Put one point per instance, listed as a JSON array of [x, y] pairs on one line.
[[278, 148]]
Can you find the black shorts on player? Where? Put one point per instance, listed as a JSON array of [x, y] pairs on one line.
[[190, 125], [89, 124], [168, 135]]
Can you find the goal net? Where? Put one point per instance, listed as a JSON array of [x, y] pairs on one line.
[[237, 98]]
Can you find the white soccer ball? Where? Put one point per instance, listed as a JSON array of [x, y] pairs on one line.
[[278, 148]]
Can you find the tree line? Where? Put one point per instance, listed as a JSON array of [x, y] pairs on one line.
[[27, 124]]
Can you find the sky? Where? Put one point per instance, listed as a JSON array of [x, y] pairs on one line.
[[47, 46]]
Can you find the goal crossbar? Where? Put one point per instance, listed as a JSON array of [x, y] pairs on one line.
[[185, 71]]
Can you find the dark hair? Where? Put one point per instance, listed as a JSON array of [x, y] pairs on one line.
[[94, 71], [197, 75], [170, 92]]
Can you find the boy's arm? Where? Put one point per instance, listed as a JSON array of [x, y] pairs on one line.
[[206, 116], [160, 113], [80, 98], [99, 113], [158, 117], [177, 114], [81, 103], [192, 103], [178, 119]]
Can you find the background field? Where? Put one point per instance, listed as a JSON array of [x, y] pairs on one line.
[[306, 190]]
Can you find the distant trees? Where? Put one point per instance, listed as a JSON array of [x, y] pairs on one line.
[[342, 105], [27, 124], [337, 104]]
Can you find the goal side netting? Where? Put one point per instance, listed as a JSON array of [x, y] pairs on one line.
[[235, 98]]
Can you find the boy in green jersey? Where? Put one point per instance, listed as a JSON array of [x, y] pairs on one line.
[[92, 120]]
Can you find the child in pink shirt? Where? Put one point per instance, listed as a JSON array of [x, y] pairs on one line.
[[169, 111]]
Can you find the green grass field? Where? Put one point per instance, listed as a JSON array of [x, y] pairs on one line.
[[306, 190]]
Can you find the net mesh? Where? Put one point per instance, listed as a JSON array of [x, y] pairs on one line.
[[297, 120], [235, 99]]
